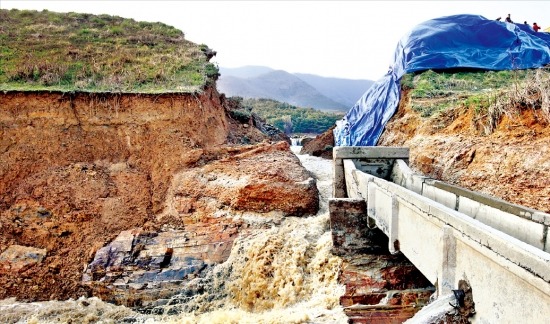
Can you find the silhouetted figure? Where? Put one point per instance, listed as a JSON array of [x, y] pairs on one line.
[[536, 27], [525, 23], [498, 19], [508, 19]]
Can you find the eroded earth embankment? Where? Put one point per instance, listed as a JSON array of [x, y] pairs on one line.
[[511, 162], [77, 169]]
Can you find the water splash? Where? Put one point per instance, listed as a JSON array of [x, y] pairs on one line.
[[296, 141], [285, 274], [82, 310], [283, 266]]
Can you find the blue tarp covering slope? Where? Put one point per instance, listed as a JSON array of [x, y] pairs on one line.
[[460, 41]]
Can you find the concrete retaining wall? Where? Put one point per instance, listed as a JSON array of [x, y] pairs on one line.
[[510, 279]]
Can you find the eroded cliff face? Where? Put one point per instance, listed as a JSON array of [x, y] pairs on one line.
[[41, 131], [77, 170]]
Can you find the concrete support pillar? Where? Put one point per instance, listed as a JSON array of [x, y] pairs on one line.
[[447, 271], [394, 226]]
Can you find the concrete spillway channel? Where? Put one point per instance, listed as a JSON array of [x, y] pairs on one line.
[[460, 240]]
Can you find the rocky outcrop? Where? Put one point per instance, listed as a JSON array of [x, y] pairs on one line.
[[380, 287], [143, 268], [321, 145], [264, 179], [17, 257], [207, 208]]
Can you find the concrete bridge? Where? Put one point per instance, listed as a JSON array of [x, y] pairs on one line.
[[456, 237]]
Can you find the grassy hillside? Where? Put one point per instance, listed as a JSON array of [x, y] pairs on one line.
[[286, 117], [97, 53], [489, 93]]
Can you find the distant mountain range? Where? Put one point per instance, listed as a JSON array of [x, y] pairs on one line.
[[303, 90]]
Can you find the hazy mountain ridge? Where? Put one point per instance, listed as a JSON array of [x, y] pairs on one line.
[[249, 71], [304, 90], [346, 91]]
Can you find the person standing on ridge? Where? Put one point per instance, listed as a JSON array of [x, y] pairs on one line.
[[508, 19], [536, 27]]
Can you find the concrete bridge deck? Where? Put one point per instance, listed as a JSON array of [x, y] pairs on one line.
[[452, 235]]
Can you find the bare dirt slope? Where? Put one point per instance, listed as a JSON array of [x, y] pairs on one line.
[[77, 169]]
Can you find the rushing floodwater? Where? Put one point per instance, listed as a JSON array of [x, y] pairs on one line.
[[282, 275]]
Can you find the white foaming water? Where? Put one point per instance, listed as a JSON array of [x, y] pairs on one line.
[[82, 310], [282, 275]]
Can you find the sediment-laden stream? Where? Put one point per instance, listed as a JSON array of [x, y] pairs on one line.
[[285, 274]]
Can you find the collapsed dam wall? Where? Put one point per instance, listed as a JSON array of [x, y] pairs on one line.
[[77, 169], [47, 129]]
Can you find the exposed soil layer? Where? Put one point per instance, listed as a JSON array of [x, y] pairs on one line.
[[77, 169], [511, 163]]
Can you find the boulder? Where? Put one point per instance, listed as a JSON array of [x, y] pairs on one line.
[[18, 257]]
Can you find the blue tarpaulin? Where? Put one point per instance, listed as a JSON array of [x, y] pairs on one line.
[[460, 41]]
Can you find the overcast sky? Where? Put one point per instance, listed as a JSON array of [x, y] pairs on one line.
[[345, 39]]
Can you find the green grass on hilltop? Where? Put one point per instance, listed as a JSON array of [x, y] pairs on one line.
[[470, 88], [490, 93], [97, 53]]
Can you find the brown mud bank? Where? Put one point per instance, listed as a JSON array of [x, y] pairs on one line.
[[77, 169]]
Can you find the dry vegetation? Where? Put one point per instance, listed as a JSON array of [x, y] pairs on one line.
[[490, 94], [98, 53]]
